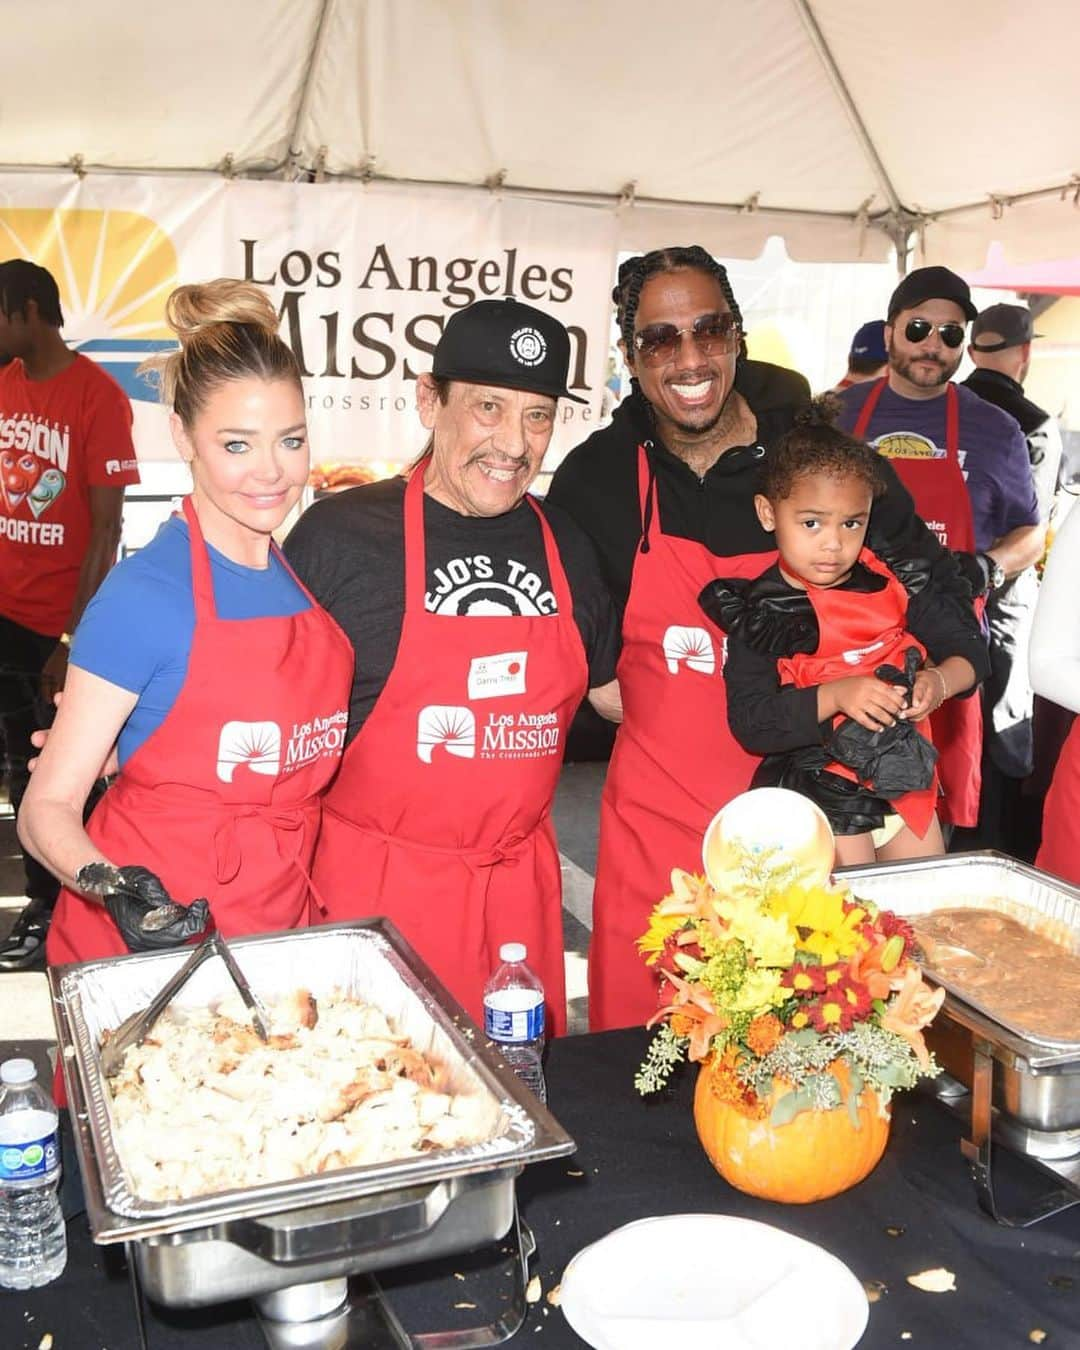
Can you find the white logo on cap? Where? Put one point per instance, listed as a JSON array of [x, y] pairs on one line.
[[527, 346]]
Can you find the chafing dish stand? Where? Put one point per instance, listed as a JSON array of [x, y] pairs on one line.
[[354, 1313]]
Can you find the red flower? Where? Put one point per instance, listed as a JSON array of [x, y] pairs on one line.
[[804, 981], [840, 1006], [890, 924]]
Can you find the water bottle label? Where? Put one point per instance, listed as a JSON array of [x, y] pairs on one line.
[[514, 1025], [24, 1162]]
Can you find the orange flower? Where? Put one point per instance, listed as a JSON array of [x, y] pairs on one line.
[[691, 1014], [724, 1084], [913, 1008], [763, 1033], [865, 968]]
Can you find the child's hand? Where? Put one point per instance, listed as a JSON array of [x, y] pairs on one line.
[[927, 695], [866, 699]]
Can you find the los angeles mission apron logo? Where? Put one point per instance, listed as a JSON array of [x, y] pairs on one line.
[[521, 735], [692, 646], [258, 745]]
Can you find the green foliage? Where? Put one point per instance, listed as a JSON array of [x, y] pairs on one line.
[[666, 1051]]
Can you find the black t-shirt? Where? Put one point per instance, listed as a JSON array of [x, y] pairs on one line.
[[349, 550]]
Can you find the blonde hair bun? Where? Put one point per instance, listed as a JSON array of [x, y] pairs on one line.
[[191, 309], [228, 330]]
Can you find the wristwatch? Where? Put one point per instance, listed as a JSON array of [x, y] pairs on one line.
[[995, 573]]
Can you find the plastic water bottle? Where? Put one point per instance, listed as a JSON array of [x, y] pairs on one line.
[[514, 1016], [33, 1240]]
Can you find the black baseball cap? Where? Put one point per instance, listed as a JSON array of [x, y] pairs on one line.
[[1012, 325], [507, 344], [931, 283]]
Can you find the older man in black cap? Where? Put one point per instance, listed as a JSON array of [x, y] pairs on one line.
[[1000, 348], [966, 465], [480, 620]]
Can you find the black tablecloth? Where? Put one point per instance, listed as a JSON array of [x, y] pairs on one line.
[[635, 1158]]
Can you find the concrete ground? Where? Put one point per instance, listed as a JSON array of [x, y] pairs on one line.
[[26, 1026]]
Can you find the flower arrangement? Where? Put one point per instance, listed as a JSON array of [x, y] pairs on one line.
[[772, 982]]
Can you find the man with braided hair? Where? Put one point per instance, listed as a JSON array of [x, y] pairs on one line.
[[667, 494]]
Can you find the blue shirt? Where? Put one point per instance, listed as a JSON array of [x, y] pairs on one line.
[[993, 453], [137, 630]]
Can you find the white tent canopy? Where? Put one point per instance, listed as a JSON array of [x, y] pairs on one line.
[[843, 125]]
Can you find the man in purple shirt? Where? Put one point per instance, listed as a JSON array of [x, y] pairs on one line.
[[907, 416]]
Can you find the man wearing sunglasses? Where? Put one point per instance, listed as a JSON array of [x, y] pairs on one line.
[[965, 464], [667, 494]]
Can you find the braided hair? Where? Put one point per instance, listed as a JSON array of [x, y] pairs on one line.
[[636, 271]]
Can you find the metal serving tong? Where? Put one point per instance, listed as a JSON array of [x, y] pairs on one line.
[[134, 1029]]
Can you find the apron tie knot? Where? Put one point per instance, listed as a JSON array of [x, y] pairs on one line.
[[507, 850], [288, 820]]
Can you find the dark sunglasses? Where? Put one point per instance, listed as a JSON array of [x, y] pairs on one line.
[[918, 330], [713, 333]]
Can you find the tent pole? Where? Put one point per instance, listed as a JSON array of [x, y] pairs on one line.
[[899, 231], [306, 90]]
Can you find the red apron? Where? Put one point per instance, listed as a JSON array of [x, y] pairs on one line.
[[859, 632], [940, 494], [1060, 849], [675, 762], [440, 816], [223, 799]]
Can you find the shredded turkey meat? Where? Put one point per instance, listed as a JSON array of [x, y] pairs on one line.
[[203, 1105]]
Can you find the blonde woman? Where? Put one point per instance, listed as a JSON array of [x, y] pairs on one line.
[[225, 685]]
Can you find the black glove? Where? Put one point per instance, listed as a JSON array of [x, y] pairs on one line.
[[974, 572], [892, 761], [147, 916]]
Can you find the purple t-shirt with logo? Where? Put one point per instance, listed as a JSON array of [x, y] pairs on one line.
[[993, 453]]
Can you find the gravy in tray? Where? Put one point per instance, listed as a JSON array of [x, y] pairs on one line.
[[1017, 976]]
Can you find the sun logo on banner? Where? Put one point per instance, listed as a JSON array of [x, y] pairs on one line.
[[115, 270]]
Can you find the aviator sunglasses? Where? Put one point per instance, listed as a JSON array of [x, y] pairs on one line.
[[918, 330], [713, 333]]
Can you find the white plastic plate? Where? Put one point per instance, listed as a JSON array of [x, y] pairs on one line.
[[728, 1281]]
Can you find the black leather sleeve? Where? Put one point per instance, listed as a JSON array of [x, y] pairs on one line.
[[765, 717], [768, 615]]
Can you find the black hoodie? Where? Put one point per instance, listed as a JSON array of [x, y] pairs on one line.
[[597, 485]]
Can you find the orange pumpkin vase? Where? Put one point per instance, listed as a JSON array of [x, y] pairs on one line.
[[814, 1155]]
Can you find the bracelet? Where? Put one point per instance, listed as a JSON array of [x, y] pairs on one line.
[[944, 687]]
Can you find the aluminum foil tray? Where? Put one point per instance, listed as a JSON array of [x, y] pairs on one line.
[[989, 881], [369, 960]]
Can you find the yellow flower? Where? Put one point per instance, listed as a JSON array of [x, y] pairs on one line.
[[817, 912], [767, 938], [661, 927]]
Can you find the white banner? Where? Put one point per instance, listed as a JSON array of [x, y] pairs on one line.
[[365, 277]]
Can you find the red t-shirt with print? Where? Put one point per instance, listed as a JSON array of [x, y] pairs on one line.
[[58, 438]]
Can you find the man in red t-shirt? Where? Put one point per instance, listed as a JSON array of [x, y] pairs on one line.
[[66, 456]]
